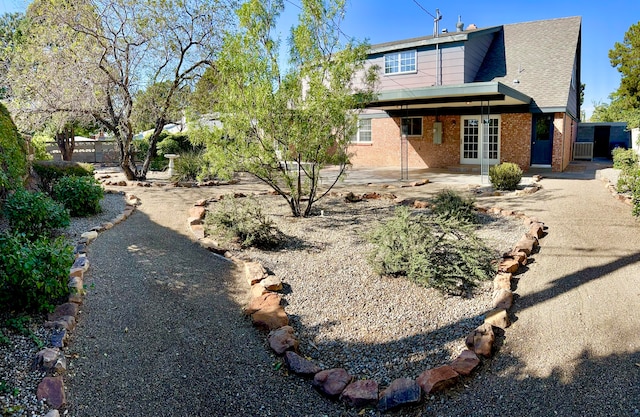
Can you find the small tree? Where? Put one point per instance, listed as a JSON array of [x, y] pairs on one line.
[[284, 126], [625, 58]]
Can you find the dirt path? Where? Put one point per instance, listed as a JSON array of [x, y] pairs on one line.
[[575, 347]]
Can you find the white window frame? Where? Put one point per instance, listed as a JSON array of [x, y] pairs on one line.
[[493, 143], [364, 133], [412, 133], [401, 62]]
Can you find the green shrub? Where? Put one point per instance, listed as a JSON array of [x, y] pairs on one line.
[[190, 166], [430, 250], [80, 195], [242, 222], [51, 171], [39, 146], [13, 154], [450, 204], [34, 214], [33, 275], [505, 176], [624, 158]]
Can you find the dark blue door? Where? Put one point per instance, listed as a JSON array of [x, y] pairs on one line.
[[542, 139]]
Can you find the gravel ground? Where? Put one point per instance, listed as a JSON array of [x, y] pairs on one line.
[[346, 316], [18, 382]]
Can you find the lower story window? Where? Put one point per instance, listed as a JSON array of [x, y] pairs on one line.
[[411, 126], [363, 135]]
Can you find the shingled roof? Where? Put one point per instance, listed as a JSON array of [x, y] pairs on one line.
[[541, 56]]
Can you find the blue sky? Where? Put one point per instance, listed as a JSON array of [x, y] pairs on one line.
[[603, 24]]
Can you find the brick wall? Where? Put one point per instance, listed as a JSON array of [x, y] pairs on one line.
[[515, 139], [384, 151]]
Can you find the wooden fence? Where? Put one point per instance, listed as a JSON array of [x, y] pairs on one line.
[[99, 151]]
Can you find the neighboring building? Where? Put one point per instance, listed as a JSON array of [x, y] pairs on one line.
[[514, 88]]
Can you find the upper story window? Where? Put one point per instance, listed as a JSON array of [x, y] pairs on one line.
[[363, 135], [400, 62]]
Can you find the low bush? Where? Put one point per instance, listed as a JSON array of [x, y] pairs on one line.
[[33, 274], [80, 195], [624, 158], [39, 147], [430, 250], [451, 204], [190, 166], [51, 171], [242, 222], [505, 176], [34, 214]]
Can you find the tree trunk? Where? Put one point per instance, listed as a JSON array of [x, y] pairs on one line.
[[66, 143]]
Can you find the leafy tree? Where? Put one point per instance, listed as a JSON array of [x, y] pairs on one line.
[[149, 105], [10, 32], [284, 125], [205, 96], [625, 57], [109, 49]]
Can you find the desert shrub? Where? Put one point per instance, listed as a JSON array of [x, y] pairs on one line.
[[451, 204], [430, 250], [51, 171], [624, 158], [80, 195], [13, 154], [241, 221], [33, 274], [505, 176], [34, 214]]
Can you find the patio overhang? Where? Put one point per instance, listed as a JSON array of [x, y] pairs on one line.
[[450, 96]]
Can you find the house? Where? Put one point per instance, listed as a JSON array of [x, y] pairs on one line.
[[512, 88], [602, 138]]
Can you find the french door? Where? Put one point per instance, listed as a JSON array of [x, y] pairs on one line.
[[479, 140]]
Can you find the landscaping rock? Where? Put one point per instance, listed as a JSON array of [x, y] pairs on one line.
[[271, 283], [437, 379], [466, 362], [53, 413], [58, 338], [481, 340], [502, 299], [509, 265], [81, 262], [352, 198], [371, 196], [270, 318], [197, 230], [254, 272], [401, 391], [267, 300], [526, 244], [420, 204], [66, 309], [299, 365], [91, 235], [283, 339], [537, 230], [498, 317], [50, 360], [360, 393], [331, 382], [51, 390], [257, 290], [502, 280], [198, 212]]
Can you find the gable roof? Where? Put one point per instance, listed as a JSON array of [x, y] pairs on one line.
[[541, 55]]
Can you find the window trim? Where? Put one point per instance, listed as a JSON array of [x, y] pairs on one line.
[[413, 134], [356, 139], [398, 57]]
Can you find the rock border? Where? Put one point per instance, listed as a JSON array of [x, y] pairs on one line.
[[269, 315], [62, 321]]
